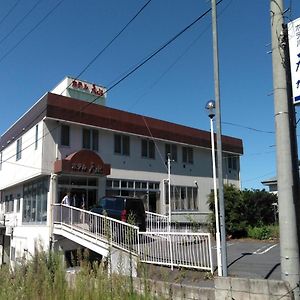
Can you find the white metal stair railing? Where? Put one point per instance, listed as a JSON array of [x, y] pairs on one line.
[[180, 249], [160, 223], [116, 233], [156, 222]]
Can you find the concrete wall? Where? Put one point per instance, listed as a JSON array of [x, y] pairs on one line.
[[29, 166], [248, 289]]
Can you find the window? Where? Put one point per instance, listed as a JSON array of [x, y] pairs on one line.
[[36, 136], [18, 202], [19, 149], [86, 139], [182, 197], [232, 162], [172, 149], [132, 188], [65, 135], [11, 203], [6, 204], [35, 201], [148, 149], [0, 161], [90, 139], [187, 155], [122, 144]]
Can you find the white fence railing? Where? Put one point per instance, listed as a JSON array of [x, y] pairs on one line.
[[119, 234], [160, 223], [182, 249], [156, 222], [189, 250]]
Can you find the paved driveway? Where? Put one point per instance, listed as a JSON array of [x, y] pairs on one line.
[[252, 259]]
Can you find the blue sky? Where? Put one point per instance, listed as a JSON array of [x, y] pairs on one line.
[[174, 86]]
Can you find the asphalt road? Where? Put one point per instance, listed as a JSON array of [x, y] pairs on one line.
[[252, 259]]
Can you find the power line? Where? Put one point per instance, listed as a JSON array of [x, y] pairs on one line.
[[153, 54], [30, 31], [148, 58], [9, 12], [100, 52], [249, 128], [20, 22], [90, 63]]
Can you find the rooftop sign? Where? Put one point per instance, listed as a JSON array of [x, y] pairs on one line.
[[294, 45], [87, 87]]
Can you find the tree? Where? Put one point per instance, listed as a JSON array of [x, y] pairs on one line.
[[243, 209]]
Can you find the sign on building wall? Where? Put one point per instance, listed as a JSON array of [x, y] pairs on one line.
[[294, 45]]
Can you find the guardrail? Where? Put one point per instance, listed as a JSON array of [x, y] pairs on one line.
[[181, 249], [117, 233], [189, 250], [160, 223]]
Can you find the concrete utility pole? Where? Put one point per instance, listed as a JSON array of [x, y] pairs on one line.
[[219, 140], [287, 189]]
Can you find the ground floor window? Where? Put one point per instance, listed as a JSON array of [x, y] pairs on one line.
[[35, 201], [83, 190], [148, 191], [183, 198]]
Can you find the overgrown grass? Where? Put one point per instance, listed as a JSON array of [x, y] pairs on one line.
[[44, 278], [263, 232]]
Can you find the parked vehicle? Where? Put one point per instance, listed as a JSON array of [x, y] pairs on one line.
[[123, 209]]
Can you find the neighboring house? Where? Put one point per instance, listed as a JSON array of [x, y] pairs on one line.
[[65, 143], [271, 183]]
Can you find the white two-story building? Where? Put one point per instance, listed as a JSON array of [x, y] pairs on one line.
[[70, 141]]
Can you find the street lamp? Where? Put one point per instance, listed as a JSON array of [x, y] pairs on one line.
[[210, 106]]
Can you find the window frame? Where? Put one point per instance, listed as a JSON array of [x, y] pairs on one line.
[[19, 148], [187, 155], [122, 144], [65, 135], [172, 149], [36, 137], [147, 149]]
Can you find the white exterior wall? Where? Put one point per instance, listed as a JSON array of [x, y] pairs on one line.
[[30, 165], [40, 161]]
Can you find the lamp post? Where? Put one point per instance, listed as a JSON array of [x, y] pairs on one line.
[[210, 106]]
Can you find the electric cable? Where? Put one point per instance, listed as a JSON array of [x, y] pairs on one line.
[[101, 51], [20, 22], [9, 12], [30, 31]]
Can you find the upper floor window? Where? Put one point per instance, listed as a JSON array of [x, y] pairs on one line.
[[9, 203], [232, 162], [148, 149], [172, 149], [90, 139], [122, 144], [18, 202], [65, 135], [36, 136], [187, 155], [19, 149]]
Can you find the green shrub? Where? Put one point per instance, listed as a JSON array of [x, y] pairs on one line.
[[243, 209], [263, 233]]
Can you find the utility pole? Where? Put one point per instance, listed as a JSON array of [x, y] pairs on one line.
[[219, 138], [287, 189]]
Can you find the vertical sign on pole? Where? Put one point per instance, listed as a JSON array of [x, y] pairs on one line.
[[294, 46]]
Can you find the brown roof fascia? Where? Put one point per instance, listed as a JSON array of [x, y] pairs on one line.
[[73, 110], [35, 114]]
